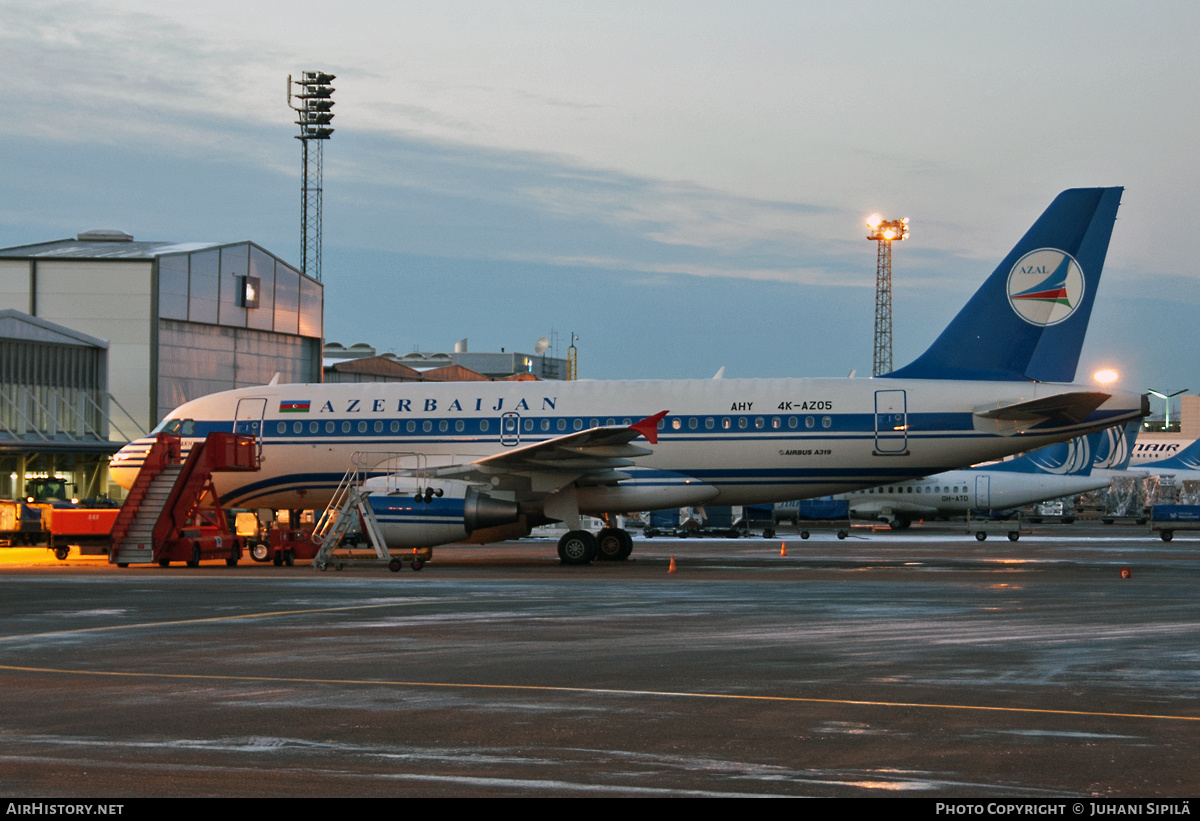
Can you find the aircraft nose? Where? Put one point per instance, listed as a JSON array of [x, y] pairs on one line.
[[125, 464]]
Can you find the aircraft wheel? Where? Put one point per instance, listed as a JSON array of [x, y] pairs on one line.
[[577, 547], [61, 553], [394, 565], [1167, 535], [609, 544], [626, 546], [259, 552], [1013, 535], [981, 536]]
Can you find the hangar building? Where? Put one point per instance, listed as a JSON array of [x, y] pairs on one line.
[[180, 320]]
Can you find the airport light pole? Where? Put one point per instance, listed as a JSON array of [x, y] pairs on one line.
[[315, 116], [1166, 398], [884, 232]]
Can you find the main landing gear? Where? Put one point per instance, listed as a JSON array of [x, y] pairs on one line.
[[612, 544]]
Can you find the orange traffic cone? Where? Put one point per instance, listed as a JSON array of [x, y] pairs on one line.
[[783, 548], [671, 569]]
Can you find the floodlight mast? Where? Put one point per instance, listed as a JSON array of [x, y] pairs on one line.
[[884, 232], [315, 116], [1166, 398]]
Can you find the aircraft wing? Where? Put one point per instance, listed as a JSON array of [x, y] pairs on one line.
[[592, 456]]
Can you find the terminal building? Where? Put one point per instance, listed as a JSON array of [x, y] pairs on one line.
[[176, 320]]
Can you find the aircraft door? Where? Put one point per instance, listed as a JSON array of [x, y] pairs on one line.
[[510, 429], [983, 493], [891, 422], [248, 418]]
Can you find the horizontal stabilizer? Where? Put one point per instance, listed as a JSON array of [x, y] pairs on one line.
[[1065, 408]]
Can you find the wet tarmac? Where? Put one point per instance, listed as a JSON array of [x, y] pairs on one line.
[[922, 663]]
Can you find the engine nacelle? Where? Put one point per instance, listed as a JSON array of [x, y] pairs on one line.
[[434, 513]]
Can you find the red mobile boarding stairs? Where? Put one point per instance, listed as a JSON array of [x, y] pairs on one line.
[[172, 512]]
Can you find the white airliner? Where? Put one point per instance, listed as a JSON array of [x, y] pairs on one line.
[[1158, 449], [1184, 465], [501, 457], [1052, 472]]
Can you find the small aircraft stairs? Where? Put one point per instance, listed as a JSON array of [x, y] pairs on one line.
[[349, 509], [170, 490]]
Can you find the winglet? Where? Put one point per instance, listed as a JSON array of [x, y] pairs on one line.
[[648, 427]]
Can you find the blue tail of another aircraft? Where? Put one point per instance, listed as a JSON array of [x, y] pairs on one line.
[[1116, 446], [1029, 318], [1074, 458]]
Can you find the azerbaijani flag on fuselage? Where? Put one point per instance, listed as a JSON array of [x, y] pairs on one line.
[[294, 405]]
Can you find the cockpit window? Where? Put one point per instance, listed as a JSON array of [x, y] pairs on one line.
[[179, 427]]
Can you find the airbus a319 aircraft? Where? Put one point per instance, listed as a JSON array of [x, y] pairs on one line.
[[496, 458]]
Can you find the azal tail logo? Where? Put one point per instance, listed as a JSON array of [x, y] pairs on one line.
[[1045, 287], [294, 406]]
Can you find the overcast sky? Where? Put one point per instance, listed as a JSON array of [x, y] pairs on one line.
[[683, 185]]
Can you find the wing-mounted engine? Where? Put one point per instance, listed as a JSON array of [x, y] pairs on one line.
[[412, 513]]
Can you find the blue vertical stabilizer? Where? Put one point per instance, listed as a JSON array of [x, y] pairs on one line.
[[1029, 318]]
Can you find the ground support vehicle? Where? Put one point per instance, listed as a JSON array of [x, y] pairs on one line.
[[87, 529], [283, 546], [1166, 519], [983, 527]]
